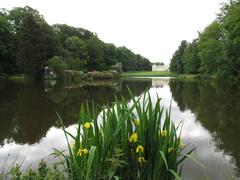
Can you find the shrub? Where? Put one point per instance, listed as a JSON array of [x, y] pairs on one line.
[[58, 65]]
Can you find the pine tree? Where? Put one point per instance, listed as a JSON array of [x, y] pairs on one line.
[[31, 55]]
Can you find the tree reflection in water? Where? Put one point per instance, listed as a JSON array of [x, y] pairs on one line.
[[28, 111], [216, 107]]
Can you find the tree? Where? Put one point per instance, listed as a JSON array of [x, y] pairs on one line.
[[77, 55], [58, 65], [143, 64], [127, 58], [229, 19], [176, 64], [64, 31], [17, 15], [26, 38], [96, 54], [211, 50], [191, 60], [7, 59], [110, 54], [31, 51]]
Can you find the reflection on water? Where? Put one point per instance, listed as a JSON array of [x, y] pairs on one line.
[[217, 110], [29, 127], [29, 110]]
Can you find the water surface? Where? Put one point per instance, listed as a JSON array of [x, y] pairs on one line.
[[211, 114]]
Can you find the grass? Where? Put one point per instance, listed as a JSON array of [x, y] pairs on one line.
[[44, 171], [148, 74], [136, 141]]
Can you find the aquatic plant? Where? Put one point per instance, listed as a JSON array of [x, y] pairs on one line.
[[135, 140]]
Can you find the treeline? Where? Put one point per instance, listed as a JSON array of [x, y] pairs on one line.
[[28, 44], [217, 49]]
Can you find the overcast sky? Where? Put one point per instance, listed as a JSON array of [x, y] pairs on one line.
[[152, 28]]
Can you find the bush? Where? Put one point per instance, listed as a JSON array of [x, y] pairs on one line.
[[117, 67], [102, 74], [57, 65], [136, 141], [70, 75], [76, 64]]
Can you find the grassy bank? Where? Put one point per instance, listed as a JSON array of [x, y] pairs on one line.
[[148, 74]]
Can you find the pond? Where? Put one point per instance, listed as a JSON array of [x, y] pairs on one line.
[[29, 126]]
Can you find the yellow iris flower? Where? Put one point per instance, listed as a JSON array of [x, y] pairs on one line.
[[87, 125], [141, 160], [133, 137], [82, 152], [140, 149], [164, 133]]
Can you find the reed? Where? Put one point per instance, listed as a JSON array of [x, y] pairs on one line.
[[134, 140]]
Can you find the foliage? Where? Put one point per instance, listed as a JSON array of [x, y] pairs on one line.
[[216, 50], [25, 46], [96, 54], [191, 60], [176, 64], [229, 20], [127, 59], [159, 63], [7, 63], [76, 55], [58, 65], [136, 141], [31, 51], [110, 54], [43, 172], [117, 67], [76, 47], [211, 49]]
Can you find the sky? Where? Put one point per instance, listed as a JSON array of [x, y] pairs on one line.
[[152, 28]]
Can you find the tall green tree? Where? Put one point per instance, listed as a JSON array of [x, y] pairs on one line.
[[127, 58], [212, 50], [191, 60], [143, 64], [96, 54], [229, 19], [17, 15], [110, 54], [31, 54], [7, 59], [176, 64], [77, 54]]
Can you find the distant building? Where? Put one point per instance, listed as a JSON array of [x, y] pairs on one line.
[[160, 67]]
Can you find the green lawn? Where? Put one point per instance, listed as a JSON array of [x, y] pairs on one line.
[[148, 74]]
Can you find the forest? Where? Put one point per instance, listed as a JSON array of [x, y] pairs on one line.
[[216, 51], [28, 44]]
